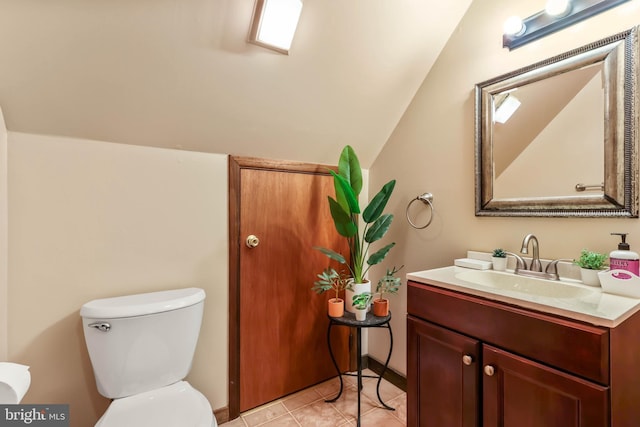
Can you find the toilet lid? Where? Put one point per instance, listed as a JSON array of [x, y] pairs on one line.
[[176, 405]]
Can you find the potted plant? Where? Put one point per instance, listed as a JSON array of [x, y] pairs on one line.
[[348, 218], [331, 279], [388, 284], [361, 304], [590, 264], [499, 259]]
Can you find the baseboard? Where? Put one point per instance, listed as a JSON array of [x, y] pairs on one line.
[[222, 415], [390, 375]]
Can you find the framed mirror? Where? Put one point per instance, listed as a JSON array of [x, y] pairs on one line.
[[559, 137]]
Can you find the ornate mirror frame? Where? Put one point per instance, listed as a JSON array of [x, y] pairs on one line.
[[619, 197]]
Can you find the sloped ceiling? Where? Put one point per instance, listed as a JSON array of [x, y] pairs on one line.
[[179, 73]]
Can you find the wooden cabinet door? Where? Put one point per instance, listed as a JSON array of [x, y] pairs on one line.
[[518, 392], [442, 384]]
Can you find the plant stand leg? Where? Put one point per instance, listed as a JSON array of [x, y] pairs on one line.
[[386, 364], [359, 338], [333, 359]]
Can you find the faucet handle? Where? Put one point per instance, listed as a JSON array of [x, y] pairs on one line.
[[520, 263], [552, 268]]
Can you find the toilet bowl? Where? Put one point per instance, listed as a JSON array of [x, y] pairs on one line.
[[141, 348], [175, 405]]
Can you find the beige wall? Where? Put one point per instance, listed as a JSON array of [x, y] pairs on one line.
[[92, 219], [432, 149], [3, 239]]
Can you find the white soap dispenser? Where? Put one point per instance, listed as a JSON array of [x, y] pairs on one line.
[[623, 258]]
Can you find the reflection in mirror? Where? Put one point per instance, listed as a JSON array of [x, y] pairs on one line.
[[558, 138], [543, 123]]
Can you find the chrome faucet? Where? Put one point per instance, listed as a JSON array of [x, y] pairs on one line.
[[535, 268], [536, 265]]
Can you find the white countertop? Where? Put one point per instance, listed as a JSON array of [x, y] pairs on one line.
[[597, 307]]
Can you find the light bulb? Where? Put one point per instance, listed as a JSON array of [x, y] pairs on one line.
[[514, 26], [558, 7]]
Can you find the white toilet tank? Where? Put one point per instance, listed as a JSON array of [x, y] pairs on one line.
[[141, 342]]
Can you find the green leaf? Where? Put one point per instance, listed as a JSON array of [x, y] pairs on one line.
[[379, 228], [378, 203], [320, 288], [340, 196], [591, 260], [349, 168], [343, 188], [342, 220], [379, 255], [361, 301], [331, 254]]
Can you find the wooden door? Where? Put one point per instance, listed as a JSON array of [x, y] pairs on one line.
[[442, 377], [522, 393], [280, 338]]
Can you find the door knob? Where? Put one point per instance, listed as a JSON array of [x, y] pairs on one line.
[[489, 370], [467, 360], [252, 241]]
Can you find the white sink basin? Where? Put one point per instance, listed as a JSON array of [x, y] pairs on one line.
[[566, 297], [527, 285]]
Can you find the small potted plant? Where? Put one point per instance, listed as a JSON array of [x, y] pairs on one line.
[[361, 304], [499, 259], [330, 279], [388, 284], [590, 264]]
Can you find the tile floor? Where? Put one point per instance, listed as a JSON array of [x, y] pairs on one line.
[[308, 408]]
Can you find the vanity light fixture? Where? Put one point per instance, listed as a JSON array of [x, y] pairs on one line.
[[557, 15], [274, 23]]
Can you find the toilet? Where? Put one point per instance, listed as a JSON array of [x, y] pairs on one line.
[[141, 348]]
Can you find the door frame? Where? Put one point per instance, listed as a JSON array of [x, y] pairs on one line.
[[235, 166]]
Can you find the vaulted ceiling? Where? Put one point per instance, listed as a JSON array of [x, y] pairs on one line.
[[180, 74]]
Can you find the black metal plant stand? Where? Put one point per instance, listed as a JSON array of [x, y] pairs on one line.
[[370, 321]]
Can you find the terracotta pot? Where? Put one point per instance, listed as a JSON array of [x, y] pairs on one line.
[[336, 307], [381, 307]]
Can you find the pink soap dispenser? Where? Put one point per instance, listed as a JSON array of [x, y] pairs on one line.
[[623, 258]]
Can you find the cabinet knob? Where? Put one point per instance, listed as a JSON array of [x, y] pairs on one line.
[[467, 360], [489, 370]]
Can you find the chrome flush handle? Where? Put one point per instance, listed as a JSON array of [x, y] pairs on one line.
[[101, 326]]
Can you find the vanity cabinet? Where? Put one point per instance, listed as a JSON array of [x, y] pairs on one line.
[[474, 362]]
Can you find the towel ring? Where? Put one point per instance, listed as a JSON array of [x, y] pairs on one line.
[[427, 199]]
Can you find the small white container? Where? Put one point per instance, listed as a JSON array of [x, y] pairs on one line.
[[499, 264], [620, 282], [361, 314], [590, 277]]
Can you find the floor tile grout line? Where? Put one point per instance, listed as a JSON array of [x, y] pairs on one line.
[[348, 385], [348, 417]]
